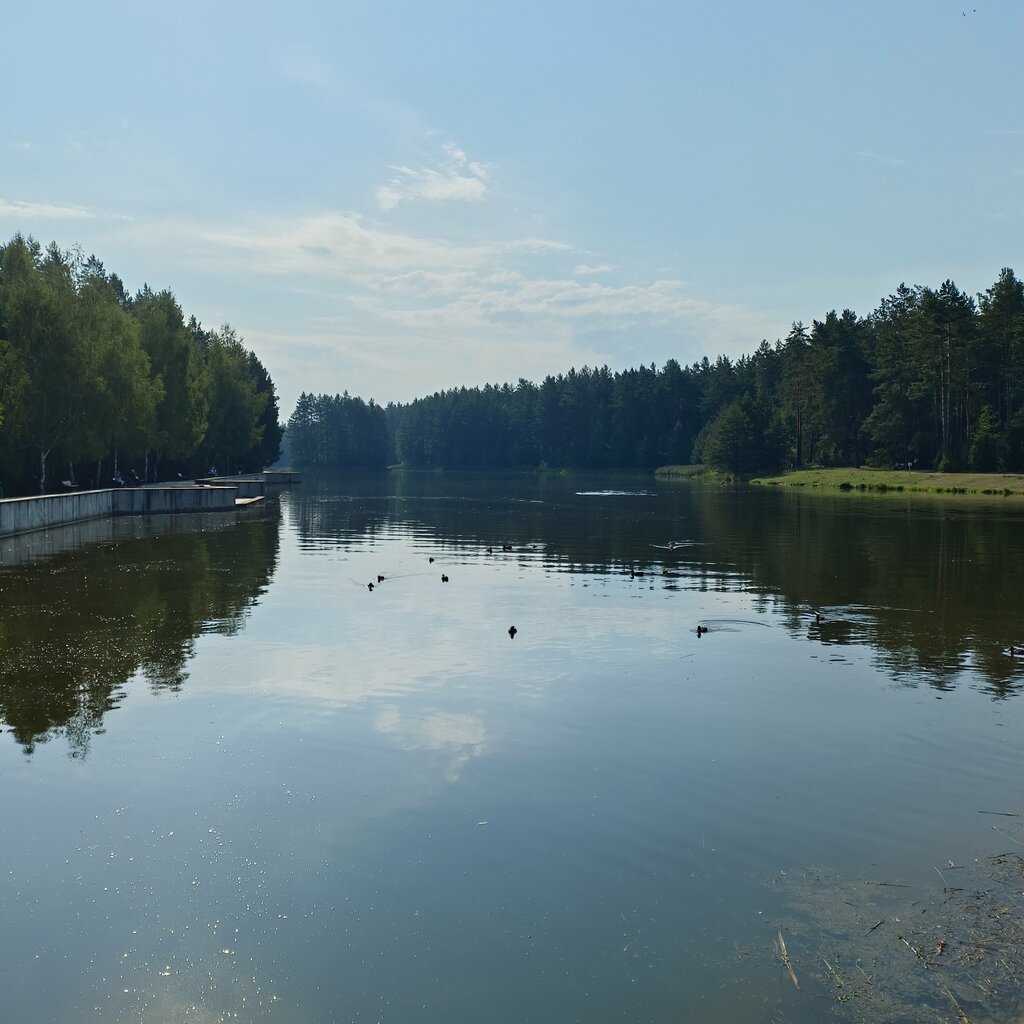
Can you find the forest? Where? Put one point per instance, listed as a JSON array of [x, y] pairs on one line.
[[98, 386], [932, 378]]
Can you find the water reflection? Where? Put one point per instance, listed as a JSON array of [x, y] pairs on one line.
[[929, 586], [458, 737], [85, 609], [377, 801]]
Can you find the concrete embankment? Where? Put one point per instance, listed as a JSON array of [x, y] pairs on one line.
[[36, 545], [23, 515]]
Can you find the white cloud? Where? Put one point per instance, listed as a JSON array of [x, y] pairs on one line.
[[406, 314], [455, 177], [338, 245], [584, 270], [44, 211]]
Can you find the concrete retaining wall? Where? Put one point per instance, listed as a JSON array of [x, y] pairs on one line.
[[152, 500], [22, 515]]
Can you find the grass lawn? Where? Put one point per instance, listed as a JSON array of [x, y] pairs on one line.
[[697, 472], [886, 480]]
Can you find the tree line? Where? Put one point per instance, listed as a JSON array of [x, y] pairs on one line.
[[97, 385], [933, 378], [339, 431]]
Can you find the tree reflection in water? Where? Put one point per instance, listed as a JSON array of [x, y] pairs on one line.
[[86, 609], [930, 585]]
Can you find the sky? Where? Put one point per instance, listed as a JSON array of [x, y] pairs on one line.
[[393, 198]]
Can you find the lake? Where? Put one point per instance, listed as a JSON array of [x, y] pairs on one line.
[[238, 784]]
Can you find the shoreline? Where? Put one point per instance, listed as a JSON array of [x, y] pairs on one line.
[[218, 494], [911, 481]]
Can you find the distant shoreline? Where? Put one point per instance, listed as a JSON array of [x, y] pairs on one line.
[[884, 481]]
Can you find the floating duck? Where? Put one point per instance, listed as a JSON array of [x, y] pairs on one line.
[[512, 632], [444, 579], [506, 547], [369, 586], [701, 630], [431, 560], [380, 579]]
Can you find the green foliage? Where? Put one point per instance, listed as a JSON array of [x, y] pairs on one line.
[[986, 443], [177, 361], [742, 439], [88, 375], [236, 406], [585, 419], [48, 352], [337, 432], [269, 429]]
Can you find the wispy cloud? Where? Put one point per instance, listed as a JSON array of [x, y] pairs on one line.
[[584, 270], [338, 245], [483, 301], [454, 177], [420, 313], [413, 280], [44, 211]]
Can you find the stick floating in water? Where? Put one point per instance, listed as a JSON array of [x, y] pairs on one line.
[[784, 953]]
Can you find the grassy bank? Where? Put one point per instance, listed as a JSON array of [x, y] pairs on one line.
[[912, 481], [692, 473]]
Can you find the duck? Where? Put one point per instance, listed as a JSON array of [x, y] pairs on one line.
[[506, 547], [380, 579], [512, 632], [701, 630], [444, 579], [369, 586], [431, 560]]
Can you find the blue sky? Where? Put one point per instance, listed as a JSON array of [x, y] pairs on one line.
[[393, 198]]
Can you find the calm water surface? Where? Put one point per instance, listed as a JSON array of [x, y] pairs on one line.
[[236, 784]]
